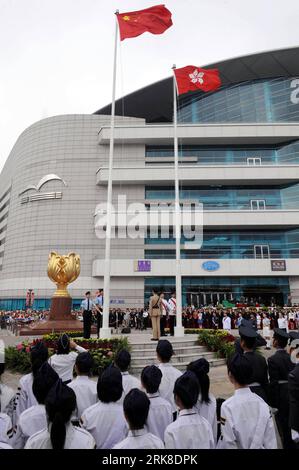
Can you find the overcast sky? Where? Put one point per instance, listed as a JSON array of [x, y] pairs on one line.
[[56, 55]]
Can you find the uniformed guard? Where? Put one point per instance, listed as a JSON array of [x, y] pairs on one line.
[[280, 365], [258, 382], [136, 408], [293, 381], [246, 420], [87, 306]]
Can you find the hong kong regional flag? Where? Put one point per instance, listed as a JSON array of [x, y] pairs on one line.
[[191, 78], [155, 20]]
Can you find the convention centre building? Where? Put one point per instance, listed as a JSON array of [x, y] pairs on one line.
[[238, 156]]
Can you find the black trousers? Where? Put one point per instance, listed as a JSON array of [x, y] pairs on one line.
[[162, 324], [99, 323], [87, 317], [171, 324]]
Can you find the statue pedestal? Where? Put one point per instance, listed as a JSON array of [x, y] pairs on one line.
[[60, 320]]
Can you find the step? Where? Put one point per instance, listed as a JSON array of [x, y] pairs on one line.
[[136, 370], [178, 351], [153, 344], [175, 359]]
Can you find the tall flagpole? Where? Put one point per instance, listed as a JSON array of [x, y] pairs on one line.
[[105, 331], [179, 329]]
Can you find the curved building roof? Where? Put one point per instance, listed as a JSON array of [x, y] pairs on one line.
[[154, 102]]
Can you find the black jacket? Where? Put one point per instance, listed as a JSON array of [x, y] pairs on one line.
[[294, 398], [280, 365], [260, 374]]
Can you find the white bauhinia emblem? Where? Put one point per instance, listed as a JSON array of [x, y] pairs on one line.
[[197, 77]]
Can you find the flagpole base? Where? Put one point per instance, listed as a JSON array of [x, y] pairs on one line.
[[179, 331], [105, 333]]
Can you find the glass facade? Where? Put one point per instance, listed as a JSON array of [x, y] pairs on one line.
[[39, 304], [219, 197], [232, 244], [206, 290], [271, 100], [287, 154]]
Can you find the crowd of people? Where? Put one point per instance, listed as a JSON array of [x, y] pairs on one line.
[[60, 406]]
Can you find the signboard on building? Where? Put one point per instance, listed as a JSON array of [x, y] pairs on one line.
[[278, 265], [210, 265], [142, 265]]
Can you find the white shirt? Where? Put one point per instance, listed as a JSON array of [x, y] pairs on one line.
[[76, 438], [169, 376], [63, 364], [31, 421], [246, 422], [189, 431], [106, 423], [226, 323], [159, 415], [6, 395], [172, 306], [140, 439], [24, 397], [129, 382], [5, 428], [209, 412], [165, 306], [84, 304], [282, 323], [86, 393]]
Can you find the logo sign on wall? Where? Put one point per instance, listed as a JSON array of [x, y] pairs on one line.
[[278, 265], [142, 265], [210, 265]]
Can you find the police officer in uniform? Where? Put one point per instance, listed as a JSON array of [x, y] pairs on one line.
[[280, 365], [258, 382], [293, 381], [87, 306]]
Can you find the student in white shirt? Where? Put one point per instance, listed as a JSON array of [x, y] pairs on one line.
[[6, 431], [190, 430], [164, 314], [122, 361], [6, 394], [206, 403], [169, 373], [34, 419], [64, 359], [61, 434], [84, 387], [226, 322], [136, 408], [105, 420], [172, 312], [246, 421], [160, 411], [25, 397]]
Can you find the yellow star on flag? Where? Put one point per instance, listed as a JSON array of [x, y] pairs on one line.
[[126, 18]]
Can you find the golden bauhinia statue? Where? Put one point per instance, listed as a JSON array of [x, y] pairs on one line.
[[63, 269]]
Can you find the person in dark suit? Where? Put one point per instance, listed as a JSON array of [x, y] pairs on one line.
[[280, 365], [293, 382], [258, 382], [259, 340]]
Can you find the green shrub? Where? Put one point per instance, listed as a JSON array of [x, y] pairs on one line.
[[219, 341]]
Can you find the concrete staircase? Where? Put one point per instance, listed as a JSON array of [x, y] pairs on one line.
[[186, 350]]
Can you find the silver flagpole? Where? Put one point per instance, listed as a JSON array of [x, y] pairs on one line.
[[179, 329], [105, 331]]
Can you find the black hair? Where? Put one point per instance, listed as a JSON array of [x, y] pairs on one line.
[[87, 293], [63, 344], [201, 369], [164, 350], [240, 368], [38, 355], [109, 386], [186, 388], [123, 360], [151, 377], [249, 342], [282, 342], [136, 408], [43, 381], [60, 404], [2, 368], [84, 363]]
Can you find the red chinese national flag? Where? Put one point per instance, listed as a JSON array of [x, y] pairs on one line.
[[192, 78], [155, 20]]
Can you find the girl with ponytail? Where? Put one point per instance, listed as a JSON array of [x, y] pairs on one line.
[[61, 434], [206, 404]]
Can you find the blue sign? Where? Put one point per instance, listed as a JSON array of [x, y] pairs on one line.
[[210, 265]]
